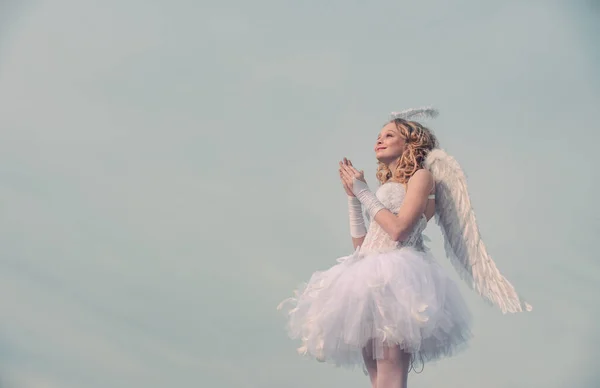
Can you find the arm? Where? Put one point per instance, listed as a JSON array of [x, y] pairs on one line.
[[358, 231], [357, 241], [400, 226], [413, 206]]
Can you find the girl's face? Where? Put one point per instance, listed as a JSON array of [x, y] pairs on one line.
[[390, 144]]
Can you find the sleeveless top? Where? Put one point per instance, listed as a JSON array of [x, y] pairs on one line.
[[391, 195]]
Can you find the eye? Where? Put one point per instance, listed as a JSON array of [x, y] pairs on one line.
[[388, 135]]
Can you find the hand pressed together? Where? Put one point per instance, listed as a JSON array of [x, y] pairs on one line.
[[348, 174]]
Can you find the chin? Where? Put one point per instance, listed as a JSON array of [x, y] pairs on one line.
[[382, 156], [387, 159]]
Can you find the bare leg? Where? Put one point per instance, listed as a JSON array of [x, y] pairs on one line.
[[370, 363], [392, 370]]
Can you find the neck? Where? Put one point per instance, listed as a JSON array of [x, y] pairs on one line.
[[393, 164]]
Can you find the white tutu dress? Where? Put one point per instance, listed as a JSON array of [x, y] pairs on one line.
[[384, 294]]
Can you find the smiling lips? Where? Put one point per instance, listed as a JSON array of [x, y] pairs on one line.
[[379, 148]]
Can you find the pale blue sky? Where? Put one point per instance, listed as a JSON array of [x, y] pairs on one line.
[[168, 174]]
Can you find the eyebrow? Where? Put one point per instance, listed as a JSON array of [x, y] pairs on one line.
[[386, 131]]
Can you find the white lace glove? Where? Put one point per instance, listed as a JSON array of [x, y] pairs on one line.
[[366, 197], [357, 222]]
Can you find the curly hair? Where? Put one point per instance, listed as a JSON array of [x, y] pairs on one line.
[[419, 141]]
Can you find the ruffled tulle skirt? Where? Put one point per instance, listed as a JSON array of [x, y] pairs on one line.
[[370, 301]]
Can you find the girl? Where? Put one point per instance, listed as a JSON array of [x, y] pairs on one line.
[[389, 303]]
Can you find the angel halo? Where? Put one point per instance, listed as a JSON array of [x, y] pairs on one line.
[[414, 114]]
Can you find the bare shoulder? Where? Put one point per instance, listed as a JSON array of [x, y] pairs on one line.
[[423, 178]]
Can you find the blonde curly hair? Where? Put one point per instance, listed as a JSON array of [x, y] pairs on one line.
[[419, 141]]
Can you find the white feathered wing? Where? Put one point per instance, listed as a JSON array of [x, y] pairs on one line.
[[462, 241]]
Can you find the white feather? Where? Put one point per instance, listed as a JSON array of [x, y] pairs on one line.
[[462, 240]]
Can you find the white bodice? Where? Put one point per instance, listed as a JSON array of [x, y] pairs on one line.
[[391, 195]]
